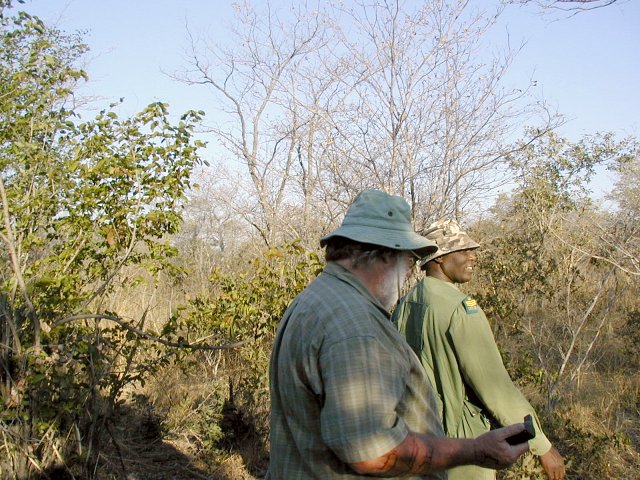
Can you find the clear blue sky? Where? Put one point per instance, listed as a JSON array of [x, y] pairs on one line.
[[586, 66]]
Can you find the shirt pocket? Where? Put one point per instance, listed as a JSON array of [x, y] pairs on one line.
[[474, 423]]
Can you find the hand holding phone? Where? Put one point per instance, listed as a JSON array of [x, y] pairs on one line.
[[527, 434]]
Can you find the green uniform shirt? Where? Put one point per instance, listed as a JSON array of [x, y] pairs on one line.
[[455, 344], [345, 386]]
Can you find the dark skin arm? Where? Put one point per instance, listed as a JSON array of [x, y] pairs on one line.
[[420, 454]]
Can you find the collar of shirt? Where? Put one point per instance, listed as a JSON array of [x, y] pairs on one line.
[[343, 274]]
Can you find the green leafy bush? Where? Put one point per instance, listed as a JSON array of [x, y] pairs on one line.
[[81, 202]]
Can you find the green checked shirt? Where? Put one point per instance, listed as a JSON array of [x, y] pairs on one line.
[[345, 386]]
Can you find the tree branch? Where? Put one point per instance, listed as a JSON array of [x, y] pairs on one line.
[[15, 263], [151, 337]]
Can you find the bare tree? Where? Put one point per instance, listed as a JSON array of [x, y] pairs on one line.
[[320, 103], [572, 7], [428, 114], [247, 78]]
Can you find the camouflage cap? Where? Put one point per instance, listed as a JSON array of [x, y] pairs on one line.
[[378, 218], [449, 237]]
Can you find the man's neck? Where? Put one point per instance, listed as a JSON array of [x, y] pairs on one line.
[[436, 272]]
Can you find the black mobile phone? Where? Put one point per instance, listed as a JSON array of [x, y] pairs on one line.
[[527, 434]]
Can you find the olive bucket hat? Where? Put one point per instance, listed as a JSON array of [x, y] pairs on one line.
[[381, 219], [449, 237]]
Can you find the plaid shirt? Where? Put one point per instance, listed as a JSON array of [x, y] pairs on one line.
[[345, 386]]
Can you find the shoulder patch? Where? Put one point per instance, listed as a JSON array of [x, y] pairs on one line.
[[470, 305]]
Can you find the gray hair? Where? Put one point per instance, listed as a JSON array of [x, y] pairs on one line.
[[340, 248]]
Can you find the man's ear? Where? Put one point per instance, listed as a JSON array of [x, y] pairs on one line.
[[438, 260]]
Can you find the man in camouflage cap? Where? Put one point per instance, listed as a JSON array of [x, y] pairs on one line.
[[448, 236], [451, 335]]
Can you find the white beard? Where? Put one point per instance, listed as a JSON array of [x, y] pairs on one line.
[[392, 283]]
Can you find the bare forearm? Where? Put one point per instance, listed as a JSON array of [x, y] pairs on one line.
[[420, 454]]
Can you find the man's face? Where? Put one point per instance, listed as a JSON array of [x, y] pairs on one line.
[[458, 266], [395, 277]]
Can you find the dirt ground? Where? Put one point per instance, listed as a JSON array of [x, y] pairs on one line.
[[135, 448], [164, 460]]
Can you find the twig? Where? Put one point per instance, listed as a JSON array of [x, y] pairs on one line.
[[9, 240], [153, 338], [98, 291], [117, 445]]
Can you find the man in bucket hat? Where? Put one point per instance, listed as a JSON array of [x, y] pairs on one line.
[[452, 337], [349, 399]]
